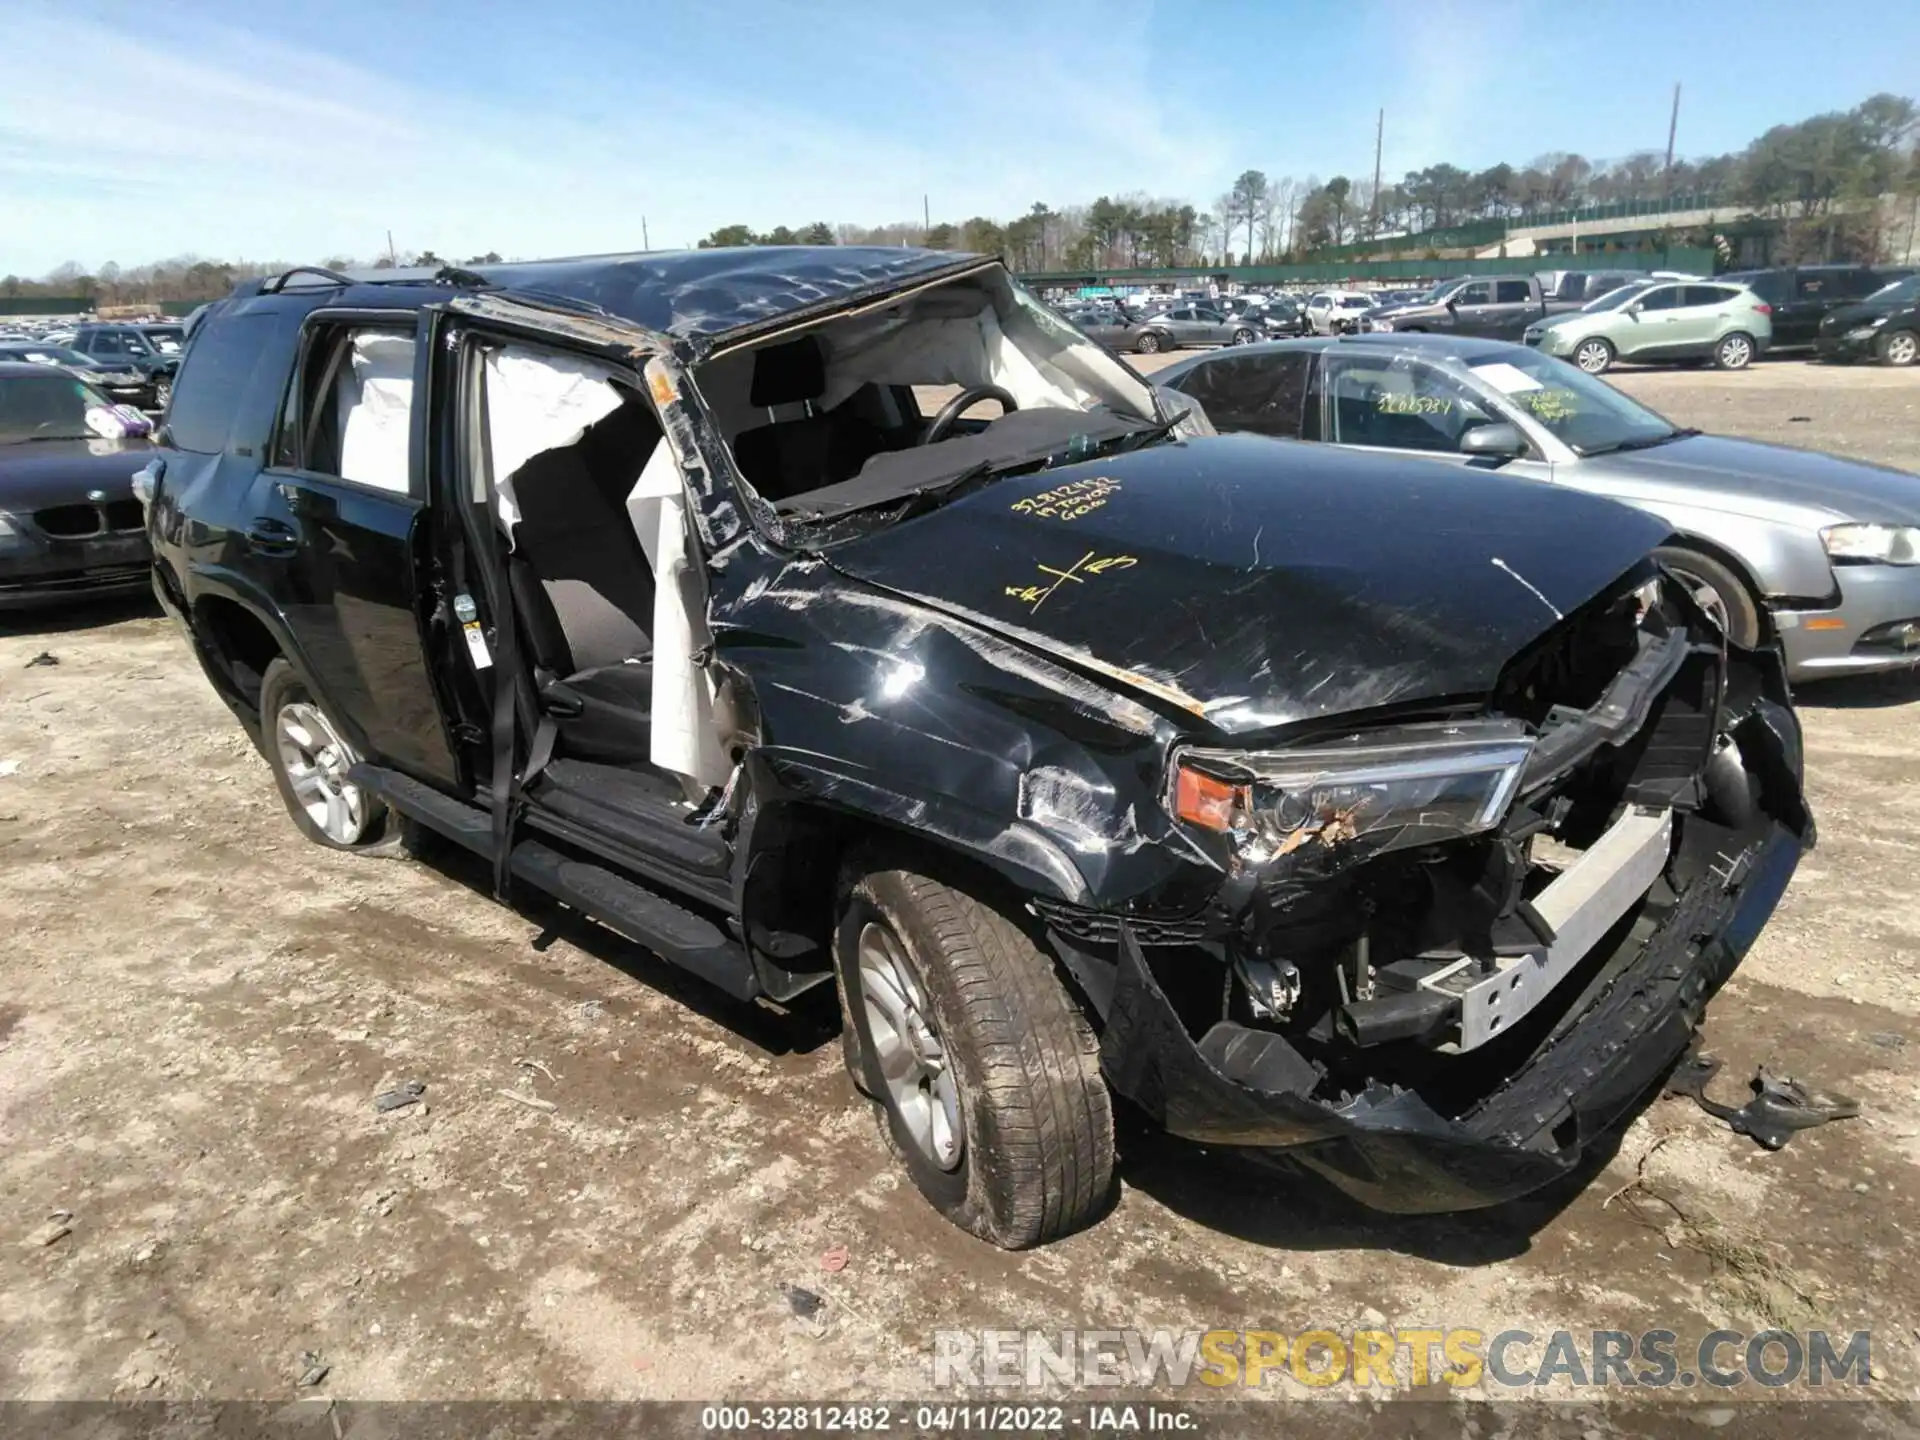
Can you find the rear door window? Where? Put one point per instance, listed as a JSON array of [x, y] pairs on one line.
[[348, 413], [1262, 393], [1691, 295], [1512, 292]]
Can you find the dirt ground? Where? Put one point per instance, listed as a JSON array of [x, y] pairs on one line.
[[199, 1009]]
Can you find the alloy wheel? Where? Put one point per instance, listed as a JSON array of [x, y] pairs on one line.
[[1901, 349], [316, 761], [1593, 357], [1736, 351], [913, 1063], [1705, 595]]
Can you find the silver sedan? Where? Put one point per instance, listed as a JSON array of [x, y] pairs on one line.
[[1819, 553]]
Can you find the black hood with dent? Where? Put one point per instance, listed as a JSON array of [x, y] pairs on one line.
[[1261, 582], [39, 473]]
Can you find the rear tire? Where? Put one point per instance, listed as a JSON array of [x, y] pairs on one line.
[[1734, 351], [955, 1014], [310, 760], [1898, 347], [1594, 355], [1717, 590]]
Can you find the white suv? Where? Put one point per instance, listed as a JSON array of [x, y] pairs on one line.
[[1333, 312]]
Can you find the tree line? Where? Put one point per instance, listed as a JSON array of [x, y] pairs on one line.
[[1812, 176]]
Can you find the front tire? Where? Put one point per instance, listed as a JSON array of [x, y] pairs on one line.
[[1148, 344], [1898, 347], [162, 395], [985, 1072], [1717, 590], [1244, 337], [1594, 355], [310, 759], [1734, 352]]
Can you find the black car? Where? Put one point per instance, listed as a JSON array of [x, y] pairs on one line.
[[1885, 326], [1802, 296], [69, 523], [1084, 750], [152, 350], [120, 380]]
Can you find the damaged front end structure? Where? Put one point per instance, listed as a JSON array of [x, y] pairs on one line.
[[1444, 957]]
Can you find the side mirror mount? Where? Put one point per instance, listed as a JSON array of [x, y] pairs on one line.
[[1498, 441], [1635, 308]]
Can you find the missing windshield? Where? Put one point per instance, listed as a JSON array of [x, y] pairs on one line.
[[903, 405]]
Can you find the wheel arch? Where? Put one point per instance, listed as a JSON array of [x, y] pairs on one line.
[[1713, 550], [791, 850]]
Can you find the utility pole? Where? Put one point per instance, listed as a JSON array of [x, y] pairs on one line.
[[392, 259], [926, 217], [1673, 128], [645, 244], [1379, 132]]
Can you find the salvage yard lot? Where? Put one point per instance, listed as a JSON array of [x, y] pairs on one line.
[[200, 1007]]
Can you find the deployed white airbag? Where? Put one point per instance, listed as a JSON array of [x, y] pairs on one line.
[[535, 402], [374, 391], [683, 738]]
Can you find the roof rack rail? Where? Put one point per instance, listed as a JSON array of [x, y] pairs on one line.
[[458, 275], [279, 282]]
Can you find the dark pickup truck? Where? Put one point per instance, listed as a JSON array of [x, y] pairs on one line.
[[1496, 307]]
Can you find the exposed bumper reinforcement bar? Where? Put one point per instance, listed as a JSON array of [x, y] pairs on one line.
[[1388, 1147]]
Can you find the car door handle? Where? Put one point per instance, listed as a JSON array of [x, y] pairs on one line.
[[267, 536]]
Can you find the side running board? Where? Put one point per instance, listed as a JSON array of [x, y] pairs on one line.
[[643, 916]]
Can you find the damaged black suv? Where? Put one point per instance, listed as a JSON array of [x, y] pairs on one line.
[[1301, 799]]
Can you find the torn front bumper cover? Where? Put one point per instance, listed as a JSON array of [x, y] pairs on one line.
[[1387, 1147]]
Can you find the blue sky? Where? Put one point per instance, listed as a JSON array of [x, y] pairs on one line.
[[267, 129]]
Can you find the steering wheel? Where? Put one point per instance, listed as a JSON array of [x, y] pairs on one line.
[[952, 410]]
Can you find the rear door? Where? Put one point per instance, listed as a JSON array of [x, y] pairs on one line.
[[1700, 318], [1810, 294], [1653, 325], [1513, 306], [335, 522], [1263, 392], [1471, 310]]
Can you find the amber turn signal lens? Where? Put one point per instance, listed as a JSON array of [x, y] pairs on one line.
[[1203, 800]]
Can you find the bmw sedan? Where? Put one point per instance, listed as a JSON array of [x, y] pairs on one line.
[[1819, 553]]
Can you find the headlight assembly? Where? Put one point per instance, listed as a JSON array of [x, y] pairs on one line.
[[1417, 785], [1873, 544]]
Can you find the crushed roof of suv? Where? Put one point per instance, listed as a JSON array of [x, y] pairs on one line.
[[689, 294]]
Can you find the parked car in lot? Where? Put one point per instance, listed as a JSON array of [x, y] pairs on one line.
[[1493, 306], [1659, 320], [69, 523], [120, 380], [131, 345], [1129, 330], [1885, 326], [1085, 750], [1801, 296], [1814, 552], [1337, 312], [1201, 325]]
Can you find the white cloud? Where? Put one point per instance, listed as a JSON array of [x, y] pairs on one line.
[[199, 138]]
